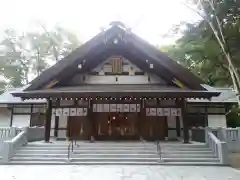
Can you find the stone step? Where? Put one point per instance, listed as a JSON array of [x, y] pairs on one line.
[[92, 148], [183, 145], [184, 149], [190, 159], [89, 155], [91, 145], [186, 152], [87, 159], [188, 156], [115, 163], [79, 151], [81, 163]]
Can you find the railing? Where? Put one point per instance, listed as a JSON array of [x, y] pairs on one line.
[[6, 133], [229, 135], [159, 150], [11, 145], [218, 147], [70, 147]]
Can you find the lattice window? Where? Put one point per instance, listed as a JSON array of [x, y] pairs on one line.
[[117, 65]]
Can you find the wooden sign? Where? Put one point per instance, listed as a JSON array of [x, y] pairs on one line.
[[166, 111], [99, 107], [59, 112], [105, 107], [126, 108], [65, 112], [119, 107], [84, 111], [73, 112], [173, 111], [147, 111], [113, 107], [133, 108], [179, 112], [153, 111], [79, 111], [160, 112], [53, 111], [94, 107], [138, 108]]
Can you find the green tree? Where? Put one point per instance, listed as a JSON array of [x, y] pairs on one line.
[[200, 48], [222, 20], [23, 56]]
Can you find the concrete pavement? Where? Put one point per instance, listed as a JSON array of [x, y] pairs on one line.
[[68, 172]]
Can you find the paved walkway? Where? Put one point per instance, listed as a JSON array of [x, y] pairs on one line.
[[12, 172]]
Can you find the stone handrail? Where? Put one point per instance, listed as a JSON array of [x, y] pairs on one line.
[[6, 133], [218, 147], [11, 145]]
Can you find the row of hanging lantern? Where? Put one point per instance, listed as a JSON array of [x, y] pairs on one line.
[[119, 98]]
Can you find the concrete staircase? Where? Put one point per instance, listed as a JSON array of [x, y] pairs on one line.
[[88, 153], [188, 154], [131, 153]]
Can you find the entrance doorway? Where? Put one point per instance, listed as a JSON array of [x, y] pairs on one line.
[[117, 126]]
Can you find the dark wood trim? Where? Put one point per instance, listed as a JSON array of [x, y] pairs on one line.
[[11, 118], [206, 116], [91, 120], [166, 126], [185, 122], [203, 113], [178, 126], [48, 120], [56, 120]]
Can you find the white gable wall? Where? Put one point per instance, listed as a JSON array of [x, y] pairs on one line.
[[21, 120], [217, 121], [122, 79], [5, 117]]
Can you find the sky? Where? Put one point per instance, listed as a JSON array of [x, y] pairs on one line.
[[150, 19]]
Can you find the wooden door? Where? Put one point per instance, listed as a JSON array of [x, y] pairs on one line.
[[153, 127], [78, 127]]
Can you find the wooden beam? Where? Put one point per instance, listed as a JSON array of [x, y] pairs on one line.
[[48, 120]]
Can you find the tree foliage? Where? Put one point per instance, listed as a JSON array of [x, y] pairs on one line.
[[198, 48], [25, 55]]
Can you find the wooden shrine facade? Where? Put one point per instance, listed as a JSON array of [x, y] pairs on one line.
[[120, 87], [117, 118]]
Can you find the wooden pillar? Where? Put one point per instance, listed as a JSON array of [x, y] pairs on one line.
[[206, 116], [56, 120], [141, 119], [48, 120], [178, 126], [11, 118], [91, 120], [185, 122]]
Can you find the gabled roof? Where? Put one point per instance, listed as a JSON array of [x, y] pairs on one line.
[[228, 95], [119, 40], [8, 98]]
